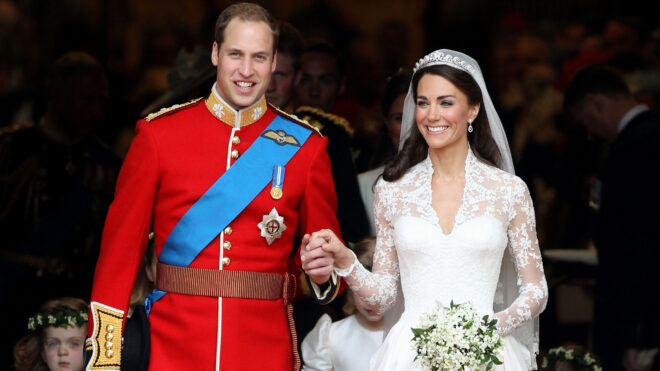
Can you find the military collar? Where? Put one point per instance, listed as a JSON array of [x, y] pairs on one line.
[[225, 113]]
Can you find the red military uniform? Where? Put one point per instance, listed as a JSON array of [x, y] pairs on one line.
[[173, 160]]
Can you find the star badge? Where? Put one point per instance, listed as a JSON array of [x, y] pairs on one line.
[[272, 226]]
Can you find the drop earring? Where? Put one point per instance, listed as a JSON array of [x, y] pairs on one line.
[[470, 128]]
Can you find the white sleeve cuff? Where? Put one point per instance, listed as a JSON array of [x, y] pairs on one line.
[[345, 272]]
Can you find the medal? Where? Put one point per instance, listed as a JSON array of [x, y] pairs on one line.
[[272, 226], [276, 193], [278, 179]]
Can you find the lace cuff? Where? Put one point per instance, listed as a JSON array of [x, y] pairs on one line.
[[345, 272]]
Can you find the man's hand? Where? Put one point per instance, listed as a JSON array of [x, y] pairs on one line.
[[317, 263]]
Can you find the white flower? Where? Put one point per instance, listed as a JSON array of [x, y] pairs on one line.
[[257, 113], [32, 325], [51, 319], [218, 109], [569, 354]]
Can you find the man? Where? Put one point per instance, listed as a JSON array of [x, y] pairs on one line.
[[229, 182], [321, 82], [289, 47], [626, 324], [56, 182], [322, 77]]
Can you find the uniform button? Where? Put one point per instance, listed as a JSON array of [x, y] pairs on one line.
[[226, 245], [236, 140], [234, 154], [109, 353], [228, 231], [108, 345], [109, 336], [110, 328], [226, 261]]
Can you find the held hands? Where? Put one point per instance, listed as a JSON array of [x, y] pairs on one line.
[[320, 252]]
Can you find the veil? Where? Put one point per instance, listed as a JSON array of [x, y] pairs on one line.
[[507, 288]]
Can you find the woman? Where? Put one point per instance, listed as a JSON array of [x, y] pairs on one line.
[[55, 339], [448, 212]]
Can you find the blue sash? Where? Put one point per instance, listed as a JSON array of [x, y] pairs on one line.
[[230, 194]]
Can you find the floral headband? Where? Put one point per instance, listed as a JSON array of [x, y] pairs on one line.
[[583, 359], [64, 317]]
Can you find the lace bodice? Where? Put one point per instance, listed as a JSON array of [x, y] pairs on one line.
[[463, 265]]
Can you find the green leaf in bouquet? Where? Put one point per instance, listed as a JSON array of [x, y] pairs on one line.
[[489, 366], [496, 360], [418, 331], [469, 324]]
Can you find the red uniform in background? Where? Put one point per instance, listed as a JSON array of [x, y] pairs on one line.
[[173, 160]]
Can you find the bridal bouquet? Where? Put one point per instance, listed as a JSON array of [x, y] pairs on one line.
[[455, 338]]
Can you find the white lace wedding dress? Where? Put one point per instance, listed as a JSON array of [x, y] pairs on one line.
[[462, 265]]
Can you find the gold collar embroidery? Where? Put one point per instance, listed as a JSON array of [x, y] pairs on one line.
[[225, 113]]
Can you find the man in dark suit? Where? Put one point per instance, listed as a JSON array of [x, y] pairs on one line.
[[627, 307]]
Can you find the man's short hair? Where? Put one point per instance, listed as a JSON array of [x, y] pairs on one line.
[[325, 47], [594, 79], [245, 12], [290, 43], [70, 66]]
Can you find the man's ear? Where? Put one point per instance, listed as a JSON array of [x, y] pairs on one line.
[[274, 66], [214, 54]]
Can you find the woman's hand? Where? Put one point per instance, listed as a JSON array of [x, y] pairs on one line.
[[327, 241]]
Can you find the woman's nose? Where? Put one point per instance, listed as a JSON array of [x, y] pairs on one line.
[[434, 112]]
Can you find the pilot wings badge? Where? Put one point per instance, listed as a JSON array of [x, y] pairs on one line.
[[272, 226], [281, 137]]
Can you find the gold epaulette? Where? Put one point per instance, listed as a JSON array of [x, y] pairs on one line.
[[10, 129], [295, 119], [172, 109], [338, 120]]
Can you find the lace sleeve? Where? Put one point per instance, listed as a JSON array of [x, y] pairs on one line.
[[377, 288], [524, 248]]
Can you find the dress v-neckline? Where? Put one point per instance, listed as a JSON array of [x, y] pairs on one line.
[[433, 212]]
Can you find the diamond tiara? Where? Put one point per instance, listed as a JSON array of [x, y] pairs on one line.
[[439, 57]]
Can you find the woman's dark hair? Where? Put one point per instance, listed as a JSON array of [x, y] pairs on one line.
[[415, 148]]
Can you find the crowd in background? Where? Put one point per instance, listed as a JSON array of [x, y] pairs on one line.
[[144, 55]]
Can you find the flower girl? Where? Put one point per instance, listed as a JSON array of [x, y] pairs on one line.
[[55, 338]]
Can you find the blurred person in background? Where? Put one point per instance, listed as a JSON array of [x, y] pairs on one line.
[[56, 184], [322, 79], [626, 322]]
